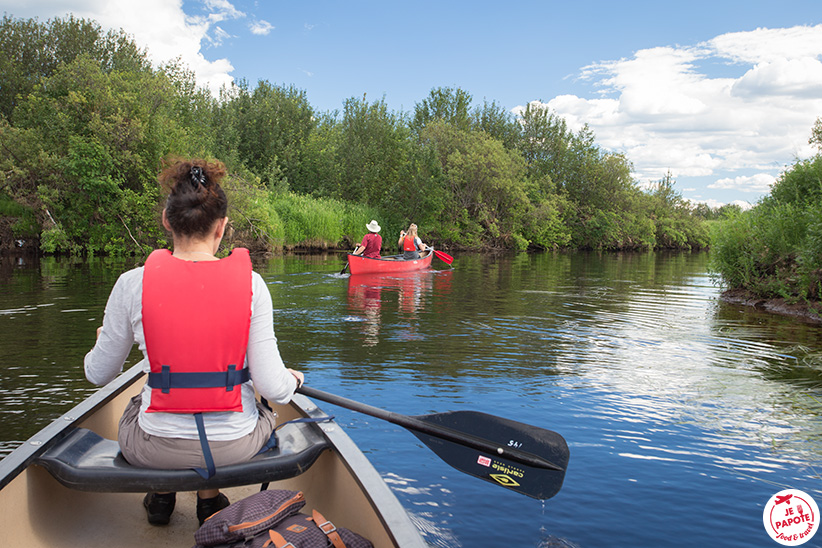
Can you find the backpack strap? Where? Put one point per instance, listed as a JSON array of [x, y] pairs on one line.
[[277, 540], [329, 529]]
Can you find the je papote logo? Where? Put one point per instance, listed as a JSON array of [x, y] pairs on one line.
[[791, 517]]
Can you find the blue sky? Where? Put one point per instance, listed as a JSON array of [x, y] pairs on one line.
[[722, 94]]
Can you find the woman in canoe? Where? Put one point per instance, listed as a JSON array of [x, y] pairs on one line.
[[193, 315], [371, 244], [411, 243]]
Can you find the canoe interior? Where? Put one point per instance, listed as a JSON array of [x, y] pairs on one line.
[[37, 511]]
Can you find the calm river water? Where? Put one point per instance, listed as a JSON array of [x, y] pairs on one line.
[[684, 415]]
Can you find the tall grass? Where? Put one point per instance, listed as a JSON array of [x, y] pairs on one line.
[[320, 223], [24, 220]]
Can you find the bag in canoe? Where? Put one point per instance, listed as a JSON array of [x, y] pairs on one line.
[[273, 519]]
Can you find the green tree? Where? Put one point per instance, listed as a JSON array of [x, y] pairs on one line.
[[192, 107], [85, 148], [321, 173], [775, 248], [30, 51], [485, 185], [268, 128], [373, 152], [452, 106], [497, 122], [816, 135], [801, 184], [546, 145]]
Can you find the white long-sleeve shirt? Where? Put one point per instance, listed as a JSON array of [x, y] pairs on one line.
[[123, 326]]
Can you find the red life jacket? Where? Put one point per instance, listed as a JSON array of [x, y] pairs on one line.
[[196, 317], [408, 244]]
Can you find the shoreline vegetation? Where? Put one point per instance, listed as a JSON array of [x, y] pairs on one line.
[[771, 255], [86, 122]]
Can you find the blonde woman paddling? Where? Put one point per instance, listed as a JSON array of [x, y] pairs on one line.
[[411, 243]]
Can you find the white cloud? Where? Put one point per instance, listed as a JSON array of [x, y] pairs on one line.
[[222, 10], [789, 77], [766, 45], [761, 182], [716, 204], [219, 36], [667, 113], [261, 28]]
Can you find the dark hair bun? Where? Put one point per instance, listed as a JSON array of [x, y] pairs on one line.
[[195, 198]]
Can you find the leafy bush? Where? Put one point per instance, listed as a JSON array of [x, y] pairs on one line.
[[23, 219], [772, 250], [543, 228], [801, 184]]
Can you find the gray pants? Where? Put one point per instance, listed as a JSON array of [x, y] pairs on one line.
[[146, 451]]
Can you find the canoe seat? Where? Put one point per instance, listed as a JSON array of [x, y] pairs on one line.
[[84, 461]]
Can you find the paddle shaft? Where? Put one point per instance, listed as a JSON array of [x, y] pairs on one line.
[[346, 264], [449, 434]]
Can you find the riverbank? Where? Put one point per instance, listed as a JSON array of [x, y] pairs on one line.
[[800, 311]]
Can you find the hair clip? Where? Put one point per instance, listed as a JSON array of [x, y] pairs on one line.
[[197, 176]]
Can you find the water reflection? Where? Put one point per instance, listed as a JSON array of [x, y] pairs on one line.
[[407, 293], [49, 311], [365, 298], [645, 338]]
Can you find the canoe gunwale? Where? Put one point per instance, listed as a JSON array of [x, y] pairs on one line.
[[391, 512], [370, 265], [19, 459]]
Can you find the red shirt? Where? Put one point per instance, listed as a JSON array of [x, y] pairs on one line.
[[373, 244]]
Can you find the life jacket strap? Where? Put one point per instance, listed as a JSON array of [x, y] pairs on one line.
[[211, 469], [165, 380]]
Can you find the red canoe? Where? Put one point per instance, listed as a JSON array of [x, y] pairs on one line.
[[367, 265]]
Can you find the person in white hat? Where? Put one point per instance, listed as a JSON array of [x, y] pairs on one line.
[[371, 244]]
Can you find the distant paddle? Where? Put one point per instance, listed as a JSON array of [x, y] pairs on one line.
[[520, 457], [346, 265], [444, 256]]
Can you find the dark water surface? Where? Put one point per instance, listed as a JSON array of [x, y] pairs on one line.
[[684, 415]]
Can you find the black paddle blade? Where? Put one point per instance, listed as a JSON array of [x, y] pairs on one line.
[[540, 482]]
